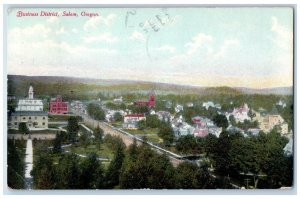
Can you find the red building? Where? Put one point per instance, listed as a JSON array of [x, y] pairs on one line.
[[149, 103], [57, 106]]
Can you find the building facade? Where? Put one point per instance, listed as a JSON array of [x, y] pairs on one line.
[[57, 106], [29, 111]]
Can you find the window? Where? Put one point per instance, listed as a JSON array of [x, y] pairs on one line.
[[30, 118], [16, 123], [43, 118], [24, 118], [35, 118], [16, 117], [43, 123]]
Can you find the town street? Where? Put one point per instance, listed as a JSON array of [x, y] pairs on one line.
[[127, 139]]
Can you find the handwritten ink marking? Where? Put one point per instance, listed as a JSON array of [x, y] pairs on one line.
[[130, 12]]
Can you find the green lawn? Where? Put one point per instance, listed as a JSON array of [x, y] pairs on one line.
[[146, 131], [103, 152], [54, 118]]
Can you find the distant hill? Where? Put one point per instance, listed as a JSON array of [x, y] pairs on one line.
[[20, 82], [275, 91]]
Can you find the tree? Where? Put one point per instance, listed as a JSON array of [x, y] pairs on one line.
[[57, 143], [23, 128], [95, 111], [141, 125], [145, 170], [114, 168], [220, 121], [152, 121], [187, 144], [15, 166], [166, 133], [91, 174], [72, 128], [69, 172], [98, 133], [191, 176], [118, 117], [44, 173]]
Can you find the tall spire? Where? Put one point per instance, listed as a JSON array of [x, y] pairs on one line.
[[30, 92]]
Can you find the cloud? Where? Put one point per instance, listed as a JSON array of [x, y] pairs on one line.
[[137, 36], [284, 38], [106, 37], [31, 32], [199, 41], [166, 48], [74, 30], [95, 22]]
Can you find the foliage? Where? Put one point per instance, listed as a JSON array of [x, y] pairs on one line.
[[191, 176], [187, 145], [15, 165], [57, 143], [72, 128], [95, 111], [118, 117], [166, 133], [152, 121], [114, 169], [147, 170], [220, 121], [23, 128]]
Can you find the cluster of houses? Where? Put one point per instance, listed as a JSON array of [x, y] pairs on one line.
[[203, 126]]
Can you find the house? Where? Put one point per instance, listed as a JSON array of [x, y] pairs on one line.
[[30, 111], [202, 121], [57, 106], [214, 130], [271, 120], [253, 131], [234, 129], [131, 120], [183, 129], [168, 104], [109, 114], [118, 100], [178, 108], [164, 116], [190, 104], [201, 132], [241, 113], [281, 103]]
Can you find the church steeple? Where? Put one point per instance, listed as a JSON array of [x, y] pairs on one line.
[[30, 92]]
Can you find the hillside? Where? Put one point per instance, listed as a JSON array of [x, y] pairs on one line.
[[50, 85]]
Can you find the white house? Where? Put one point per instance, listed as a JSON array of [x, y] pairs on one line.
[[131, 120], [241, 113], [178, 108]]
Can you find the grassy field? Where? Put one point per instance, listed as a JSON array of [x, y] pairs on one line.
[[152, 131], [55, 118], [103, 152]]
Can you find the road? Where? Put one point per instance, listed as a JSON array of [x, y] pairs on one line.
[[127, 138]]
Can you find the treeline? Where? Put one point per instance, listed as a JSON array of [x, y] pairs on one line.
[[260, 158], [132, 168], [15, 164]]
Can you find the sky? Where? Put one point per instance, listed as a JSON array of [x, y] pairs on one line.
[[237, 47]]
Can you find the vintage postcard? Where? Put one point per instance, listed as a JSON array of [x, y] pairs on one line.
[[136, 98]]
